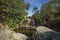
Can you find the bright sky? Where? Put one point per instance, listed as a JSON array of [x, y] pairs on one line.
[[34, 3]]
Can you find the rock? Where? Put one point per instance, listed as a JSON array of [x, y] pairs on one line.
[[6, 34], [19, 36], [44, 33], [10, 35]]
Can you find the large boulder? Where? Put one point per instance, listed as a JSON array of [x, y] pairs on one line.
[[6, 34], [44, 33]]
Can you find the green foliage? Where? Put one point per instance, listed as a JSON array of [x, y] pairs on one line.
[[49, 15], [27, 6], [55, 21], [12, 12], [35, 8], [47, 12]]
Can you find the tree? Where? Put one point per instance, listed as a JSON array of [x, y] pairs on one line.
[[57, 3], [55, 21], [49, 15], [12, 11], [36, 16], [47, 12], [27, 6]]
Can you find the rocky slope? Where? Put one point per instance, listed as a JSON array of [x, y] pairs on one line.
[[39, 33], [6, 34], [44, 33]]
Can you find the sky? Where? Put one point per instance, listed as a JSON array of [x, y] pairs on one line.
[[34, 3]]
